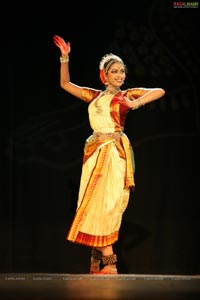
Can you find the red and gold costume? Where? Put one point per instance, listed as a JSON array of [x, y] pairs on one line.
[[107, 171]]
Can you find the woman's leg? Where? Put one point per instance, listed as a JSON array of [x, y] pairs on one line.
[[95, 261], [109, 260]]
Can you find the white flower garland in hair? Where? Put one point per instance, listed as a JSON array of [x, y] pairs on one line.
[[108, 57]]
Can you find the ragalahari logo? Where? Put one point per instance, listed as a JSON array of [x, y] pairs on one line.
[[183, 4]]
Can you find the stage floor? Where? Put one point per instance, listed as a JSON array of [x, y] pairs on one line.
[[47, 286]]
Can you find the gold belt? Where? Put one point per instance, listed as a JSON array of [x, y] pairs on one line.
[[104, 135]]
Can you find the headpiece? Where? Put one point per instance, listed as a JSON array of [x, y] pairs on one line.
[[105, 63]]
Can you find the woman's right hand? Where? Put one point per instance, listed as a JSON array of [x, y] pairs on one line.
[[64, 47]]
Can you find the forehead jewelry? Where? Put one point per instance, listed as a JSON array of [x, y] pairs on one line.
[[108, 57], [105, 63]]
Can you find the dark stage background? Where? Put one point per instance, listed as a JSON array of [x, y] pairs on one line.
[[43, 132]]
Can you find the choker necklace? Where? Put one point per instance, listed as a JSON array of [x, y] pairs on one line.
[[111, 92]]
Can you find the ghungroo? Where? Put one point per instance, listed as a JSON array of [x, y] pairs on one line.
[[109, 259]]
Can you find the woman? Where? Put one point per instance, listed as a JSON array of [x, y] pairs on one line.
[[108, 162]]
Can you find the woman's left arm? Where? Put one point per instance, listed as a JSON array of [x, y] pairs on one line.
[[142, 96]]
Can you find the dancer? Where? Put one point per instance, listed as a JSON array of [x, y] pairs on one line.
[[107, 176]]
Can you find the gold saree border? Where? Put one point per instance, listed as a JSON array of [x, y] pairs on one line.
[[93, 181]]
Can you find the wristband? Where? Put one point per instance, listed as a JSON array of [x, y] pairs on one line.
[[64, 60]]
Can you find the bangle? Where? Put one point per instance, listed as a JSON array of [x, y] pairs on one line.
[[64, 60], [138, 103]]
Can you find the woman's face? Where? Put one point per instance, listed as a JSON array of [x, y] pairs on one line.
[[116, 74]]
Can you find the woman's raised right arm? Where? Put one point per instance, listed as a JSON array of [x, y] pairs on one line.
[[65, 82]]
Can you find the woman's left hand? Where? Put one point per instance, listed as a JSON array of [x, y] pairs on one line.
[[126, 101]]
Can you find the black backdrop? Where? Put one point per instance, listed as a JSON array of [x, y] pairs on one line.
[[43, 130]]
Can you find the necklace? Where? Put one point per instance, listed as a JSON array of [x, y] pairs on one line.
[[111, 92], [106, 92], [97, 104]]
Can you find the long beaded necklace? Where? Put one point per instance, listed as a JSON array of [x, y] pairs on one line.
[[106, 92]]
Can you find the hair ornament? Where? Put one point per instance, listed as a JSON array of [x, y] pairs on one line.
[[106, 58], [102, 76]]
